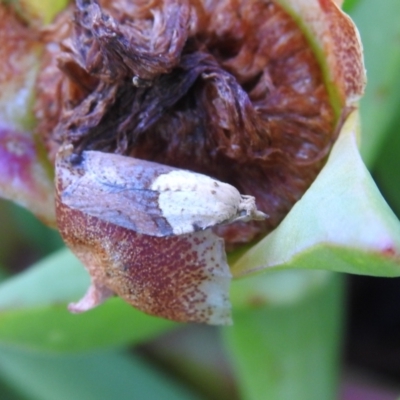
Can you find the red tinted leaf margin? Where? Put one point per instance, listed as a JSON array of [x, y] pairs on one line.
[[342, 223]]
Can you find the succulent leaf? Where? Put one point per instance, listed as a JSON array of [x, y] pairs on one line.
[[342, 223]]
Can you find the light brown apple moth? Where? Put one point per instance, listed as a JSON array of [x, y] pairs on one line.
[[143, 231]]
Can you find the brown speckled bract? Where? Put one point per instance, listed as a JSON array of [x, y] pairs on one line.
[[183, 278]]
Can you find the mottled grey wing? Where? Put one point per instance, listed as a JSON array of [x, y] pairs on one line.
[[115, 189]]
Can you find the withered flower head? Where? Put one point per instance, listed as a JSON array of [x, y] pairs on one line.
[[158, 114]]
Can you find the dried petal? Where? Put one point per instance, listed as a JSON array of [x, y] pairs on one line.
[[338, 44]]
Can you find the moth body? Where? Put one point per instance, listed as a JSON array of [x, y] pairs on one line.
[[150, 198]]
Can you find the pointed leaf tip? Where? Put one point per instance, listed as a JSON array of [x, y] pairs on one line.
[[342, 223]]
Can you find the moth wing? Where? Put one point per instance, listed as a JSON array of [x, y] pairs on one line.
[[115, 189], [191, 201]]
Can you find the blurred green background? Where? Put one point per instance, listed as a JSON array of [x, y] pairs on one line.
[[45, 353]]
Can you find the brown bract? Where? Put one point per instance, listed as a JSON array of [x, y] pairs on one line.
[[337, 41], [182, 278]]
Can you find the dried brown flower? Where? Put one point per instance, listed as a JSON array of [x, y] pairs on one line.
[[232, 89]]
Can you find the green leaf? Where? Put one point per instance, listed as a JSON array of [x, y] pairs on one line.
[[348, 5], [290, 351], [45, 10], [3, 273], [342, 223], [387, 166], [276, 288], [8, 394], [33, 311], [86, 377], [56, 279], [32, 231], [378, 23]]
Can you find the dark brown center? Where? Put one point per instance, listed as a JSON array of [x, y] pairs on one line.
[[227, 88]]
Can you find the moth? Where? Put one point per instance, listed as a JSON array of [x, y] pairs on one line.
[[143, 231]]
